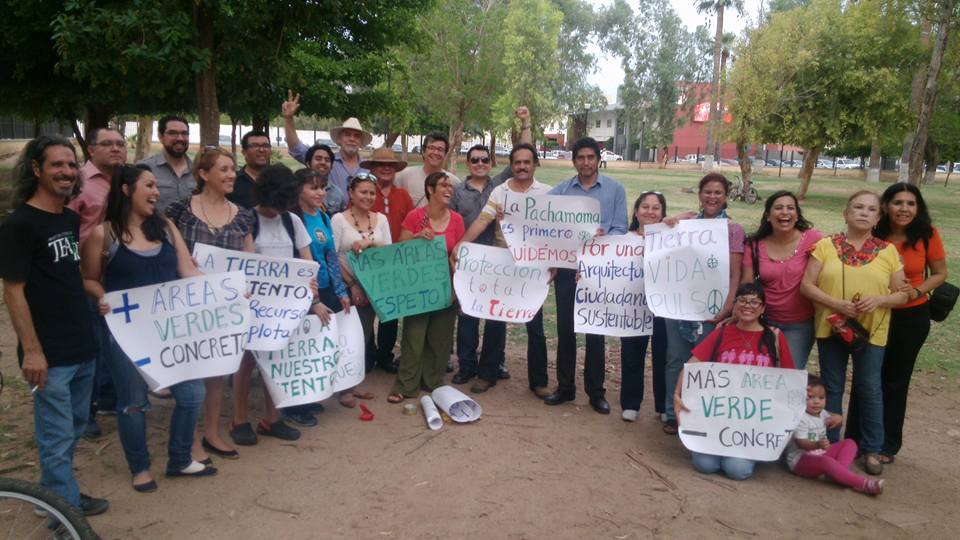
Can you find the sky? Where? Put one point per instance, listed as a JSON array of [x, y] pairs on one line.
[[609, 74]]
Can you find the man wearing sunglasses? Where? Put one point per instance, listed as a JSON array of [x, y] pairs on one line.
[[469, 198], [256, 150], [172, 167]]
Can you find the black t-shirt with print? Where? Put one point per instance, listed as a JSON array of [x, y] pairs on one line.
[[42, 250]]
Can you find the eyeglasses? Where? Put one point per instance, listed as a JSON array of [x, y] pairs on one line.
[[111, 144], [436, 148], [749, 302], [173, 133], [477, 160], [260, 146]]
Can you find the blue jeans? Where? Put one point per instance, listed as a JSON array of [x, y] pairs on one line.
[[132, 405], [60, 413], [867, 369], [679, 351], [800, 337], [734, 468], [633, 352]]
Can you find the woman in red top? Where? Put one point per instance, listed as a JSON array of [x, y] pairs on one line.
[[749, 341], [905, 223], [428, 337]]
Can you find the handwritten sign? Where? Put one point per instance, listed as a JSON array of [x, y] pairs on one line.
[[280, 294], [403, 279], [687, 269], [547, 230], [319, 359], [181, 330], [610, 299], [490, 286], [741, 411]]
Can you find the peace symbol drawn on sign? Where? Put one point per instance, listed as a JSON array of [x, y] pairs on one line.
[[714, 301], [712, 262]]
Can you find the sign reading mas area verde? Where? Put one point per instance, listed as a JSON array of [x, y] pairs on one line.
[[407, 278]]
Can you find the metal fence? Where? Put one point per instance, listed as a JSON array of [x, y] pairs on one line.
[[17, 128]]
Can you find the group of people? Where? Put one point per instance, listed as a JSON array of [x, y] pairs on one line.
[[78, 233]]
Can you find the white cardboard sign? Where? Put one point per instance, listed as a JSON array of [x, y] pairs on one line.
[[318, 360], [280, 294], [610, 298], [687, 268], [547, 230], [181, 330], [741, 411], [491, 286]]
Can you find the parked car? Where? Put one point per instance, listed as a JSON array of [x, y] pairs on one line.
[[398, 148], [333, 146], [847, 163], [610, 156]]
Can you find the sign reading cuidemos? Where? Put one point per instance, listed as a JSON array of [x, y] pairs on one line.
[[740, 411], [319, 359], [280, 294], [491, 286], [610, 298], [686, 269], [407, 278], [547, 230], [180, 330]]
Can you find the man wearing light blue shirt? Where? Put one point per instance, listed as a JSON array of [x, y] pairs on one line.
[[613, 220]]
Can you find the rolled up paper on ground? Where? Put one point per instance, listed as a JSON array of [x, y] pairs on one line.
[[430, 413], [456, 404]]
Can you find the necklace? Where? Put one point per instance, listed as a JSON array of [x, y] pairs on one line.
[[215, 229], [356, 225], [791, 256]]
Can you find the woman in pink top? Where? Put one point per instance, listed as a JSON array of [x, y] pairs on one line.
[[776, 257], [428, 337]]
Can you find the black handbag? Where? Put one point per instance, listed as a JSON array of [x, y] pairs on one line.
[[942, 300]]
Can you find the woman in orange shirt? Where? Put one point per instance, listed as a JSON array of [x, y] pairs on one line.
[[906, 224]]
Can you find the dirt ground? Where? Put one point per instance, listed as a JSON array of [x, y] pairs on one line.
[[525, 470]]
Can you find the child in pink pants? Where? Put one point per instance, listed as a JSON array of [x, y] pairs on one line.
[[811, 455]]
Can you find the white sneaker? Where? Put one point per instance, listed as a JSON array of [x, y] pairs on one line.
[[629, 415]]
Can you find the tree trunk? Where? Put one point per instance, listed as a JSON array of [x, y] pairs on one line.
[[390, 139], [806, 172], [873, 170], [916, 90], [932, 156], [929, 100], [746, 166], [76, 134], [714, 88], [949, 171], [664, 157], [233, 135], [206, 79], [144, 137], [260, 123], [493, 149], [456, 137], [403, 143]]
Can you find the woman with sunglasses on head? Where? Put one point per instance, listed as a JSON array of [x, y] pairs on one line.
[[208, 217], [428, 337], [355, 229], [776, 256], [650, 208], [136, 246], [683, 336], [905, 223], [748, 341], [855, 275]]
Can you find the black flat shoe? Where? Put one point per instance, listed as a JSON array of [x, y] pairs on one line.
[[463, 377], [146, 487], [559, 397], [226, 454], [600, 405]]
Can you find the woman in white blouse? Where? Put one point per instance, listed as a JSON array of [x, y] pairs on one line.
[[356, 229]]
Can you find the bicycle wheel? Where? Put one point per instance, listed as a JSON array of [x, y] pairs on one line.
[[734, 193], [19, 500], [751, 196]]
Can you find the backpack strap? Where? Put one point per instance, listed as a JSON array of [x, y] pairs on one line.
[[287, 219], [755, 251]]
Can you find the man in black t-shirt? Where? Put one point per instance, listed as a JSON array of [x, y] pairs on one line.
[[43, 290], [256, 150]]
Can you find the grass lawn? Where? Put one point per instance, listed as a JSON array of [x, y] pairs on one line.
[[823, 206]]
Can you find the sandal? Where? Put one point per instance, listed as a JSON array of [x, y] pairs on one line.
[[347, 400], [887, 459], [872, 464], [363, 394], [395, 398], [670, 427]]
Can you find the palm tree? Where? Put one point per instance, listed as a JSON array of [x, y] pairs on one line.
[[719, 6]]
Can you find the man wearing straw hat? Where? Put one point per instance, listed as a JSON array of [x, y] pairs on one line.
[[350, 136], [395, 203]]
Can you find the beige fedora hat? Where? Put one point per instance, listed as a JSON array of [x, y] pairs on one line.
[[383, 156], [351, 123]]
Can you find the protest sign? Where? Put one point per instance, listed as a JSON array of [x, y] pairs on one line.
[[686, 269], [547, 230], [610, 299], [741, 411], [181, 330], [280, 294], [319, 359], [407, 278], [491, 286]]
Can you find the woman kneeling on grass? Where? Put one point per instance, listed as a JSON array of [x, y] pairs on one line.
[[749, 341]]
